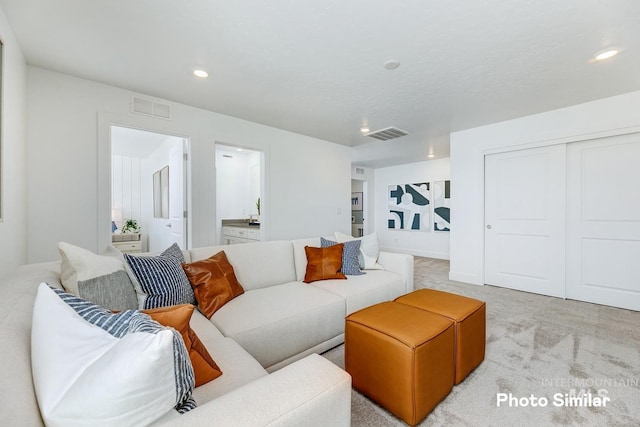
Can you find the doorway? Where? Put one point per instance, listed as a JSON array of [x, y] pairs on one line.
[[149, 170], [359, 201], [240, 187]]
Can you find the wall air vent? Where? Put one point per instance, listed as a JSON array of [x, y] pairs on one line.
[[150, 108], [387, 133], [359, 171]]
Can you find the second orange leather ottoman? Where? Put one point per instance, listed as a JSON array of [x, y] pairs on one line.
[[401, 357], [469, 317]]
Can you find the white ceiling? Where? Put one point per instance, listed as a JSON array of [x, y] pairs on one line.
[[316, 67]]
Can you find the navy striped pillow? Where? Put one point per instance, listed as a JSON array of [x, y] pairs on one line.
[[162, 278], [350, 263], [132, 321]]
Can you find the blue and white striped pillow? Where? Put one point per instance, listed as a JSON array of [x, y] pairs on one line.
[[350, 264], [161, 278], [91, 366]]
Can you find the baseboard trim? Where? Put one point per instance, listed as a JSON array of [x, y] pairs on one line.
[[426, 254], [465, 278]]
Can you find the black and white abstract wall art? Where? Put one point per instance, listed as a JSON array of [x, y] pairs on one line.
[[441, 205], [409, 207]]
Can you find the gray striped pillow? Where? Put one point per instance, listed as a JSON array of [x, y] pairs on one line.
[[161, 278]]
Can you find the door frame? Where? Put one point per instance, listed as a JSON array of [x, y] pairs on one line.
[[105, 121]]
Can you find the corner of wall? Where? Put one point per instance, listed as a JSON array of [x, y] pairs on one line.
[[13, 228]]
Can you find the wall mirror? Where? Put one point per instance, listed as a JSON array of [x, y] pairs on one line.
[[161, 193]]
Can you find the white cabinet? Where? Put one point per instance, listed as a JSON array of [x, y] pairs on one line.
[[128, 247], [235, 235], [127, 243]]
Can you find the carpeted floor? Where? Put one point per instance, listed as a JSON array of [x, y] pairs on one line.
[[536, 346]]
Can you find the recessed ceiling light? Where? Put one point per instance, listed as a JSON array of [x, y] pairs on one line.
[[364, 129], [238, 149], [391, 64], [431, 156], [606, 54], [200, 73]]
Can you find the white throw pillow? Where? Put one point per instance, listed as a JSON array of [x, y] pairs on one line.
[[369, 249], [121, 369]]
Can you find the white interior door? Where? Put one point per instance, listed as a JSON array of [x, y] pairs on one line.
[[525, 220], [177, 196], [603, 239]]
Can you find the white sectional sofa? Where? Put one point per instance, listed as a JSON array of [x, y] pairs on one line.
[[263, 340]]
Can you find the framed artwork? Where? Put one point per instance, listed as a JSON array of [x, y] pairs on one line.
[[409, 207], [442, 205], [161, 193], [356, 201]]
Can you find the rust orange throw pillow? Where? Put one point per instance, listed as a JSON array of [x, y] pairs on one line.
[[324, 263], [214, 282], [178, 317]]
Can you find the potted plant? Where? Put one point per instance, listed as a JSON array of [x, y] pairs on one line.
[[130, 226]]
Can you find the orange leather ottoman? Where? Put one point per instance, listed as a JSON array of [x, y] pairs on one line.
[[400, 357], [469, 316]]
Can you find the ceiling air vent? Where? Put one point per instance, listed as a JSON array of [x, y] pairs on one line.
[[387, 133], [150, 108]]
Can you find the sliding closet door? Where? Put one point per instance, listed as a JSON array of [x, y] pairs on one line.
[[525, 220], [603, 239]]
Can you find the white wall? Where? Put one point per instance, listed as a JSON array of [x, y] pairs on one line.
[[126, 193], [234, 178], [605, 117], [428, 243], [308, 180], [13, 153], [255, 176]]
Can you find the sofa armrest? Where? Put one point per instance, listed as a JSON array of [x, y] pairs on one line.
[[309, 392], [398, 263]]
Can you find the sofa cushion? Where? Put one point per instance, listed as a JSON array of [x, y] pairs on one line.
[[324, 263], [141, 367], [203, 327], [214, 282], [256, 265], [178, 317], [300, 256], [160, 280], [299, 315], [239, 368], [350, 252], [100, 279], [364, 291]]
